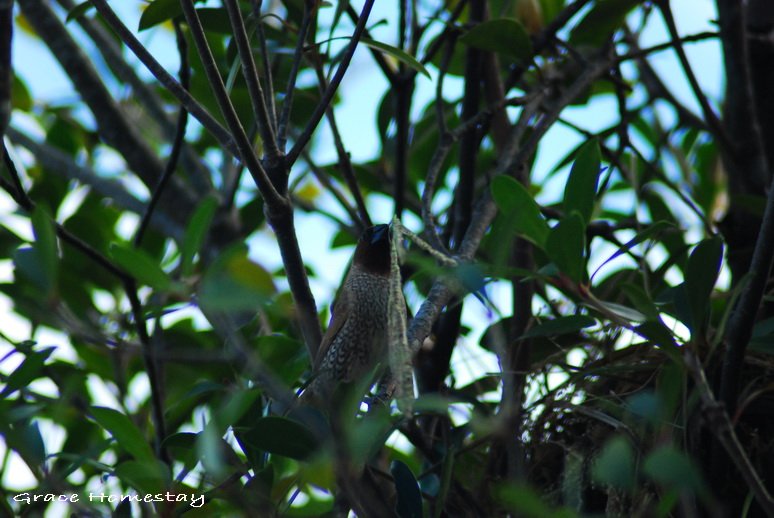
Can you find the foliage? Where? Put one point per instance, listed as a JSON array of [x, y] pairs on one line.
[[178, 347]]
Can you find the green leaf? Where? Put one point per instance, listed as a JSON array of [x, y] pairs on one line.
[[235, 283], [281, 436], [45, 246], [650, 232], [601, 21], [672, 468], [398, 54], [505, 36], [560, 326], [407, 490], [149, 477], [581, 188], [27, 371], [700, 277], [615, 465], [518, 205], [78, 11], [196, 233], [124, 432], [565, 246], [159, 11], [26, 440], [141, 266]]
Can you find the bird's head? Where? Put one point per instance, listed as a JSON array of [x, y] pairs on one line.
[[373, 250]]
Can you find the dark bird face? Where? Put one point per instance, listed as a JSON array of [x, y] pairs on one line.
[[373, 250]]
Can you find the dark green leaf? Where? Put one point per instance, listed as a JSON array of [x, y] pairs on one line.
[[407, 489], [281, 436], [235, 283], [519, 207], [27, 371], [581, 188], [615, 466], [150, 476], [196, 233], [565, 246], [45, 247], [505, 36], [141, 266], [601, 21], [652, 231], [78, 11], [398, 54], [700, 277], [158, 12], [124, 432], [560, 326], [672, 468]]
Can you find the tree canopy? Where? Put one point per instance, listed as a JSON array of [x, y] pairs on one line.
[[613, 267]]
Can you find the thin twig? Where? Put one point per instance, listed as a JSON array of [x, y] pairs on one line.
[[363, 220], [722, 428], [298, 55], [709, 113], [245, 149], [326, 99], [192, 105], [269, 90], [157, 398], [254, 88], [177, 144]]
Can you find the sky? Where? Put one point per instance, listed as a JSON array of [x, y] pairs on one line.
[[360, 92]]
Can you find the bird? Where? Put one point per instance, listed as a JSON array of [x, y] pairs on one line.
[[356, 339]]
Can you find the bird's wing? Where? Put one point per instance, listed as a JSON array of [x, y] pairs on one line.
[[339, 311]]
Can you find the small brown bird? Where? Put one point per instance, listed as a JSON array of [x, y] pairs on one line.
[[356, 339]]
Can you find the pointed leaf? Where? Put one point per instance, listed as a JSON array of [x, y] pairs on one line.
[[581, 188], [27, 371], [407, 489], [124, 432], [560, 326], [604, 18], [518, 205], [141, 266], [700, 277], [149, 477], [505, 36], [672, 468], [398, 54], [615, 465], [196, 232], [565, 246], [159, 11], [235, 283], [281, 436], [45, 246]]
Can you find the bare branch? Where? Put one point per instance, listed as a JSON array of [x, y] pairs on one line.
[[326, 99]]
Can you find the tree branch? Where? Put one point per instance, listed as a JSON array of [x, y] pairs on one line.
[[322, 106]]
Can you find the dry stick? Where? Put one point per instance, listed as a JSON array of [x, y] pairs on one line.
[[319, 111], [298, 55], [723, 430], [254, 88], [246, 153], [220, 133], [177, 144]]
